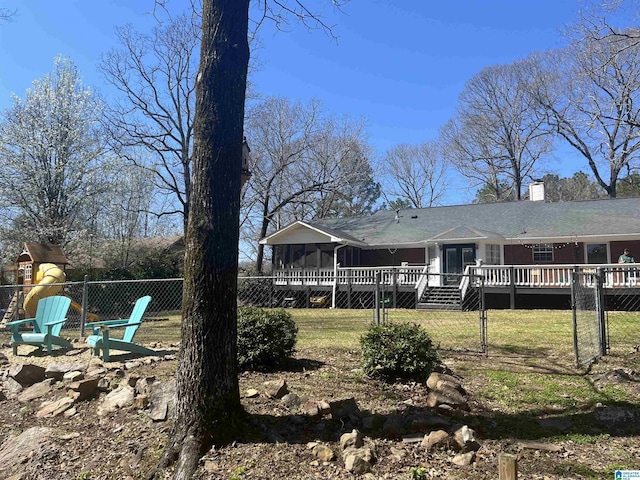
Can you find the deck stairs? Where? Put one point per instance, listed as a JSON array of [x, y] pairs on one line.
[[445, 297]]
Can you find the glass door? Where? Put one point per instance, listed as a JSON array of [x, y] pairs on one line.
[[456, 259]]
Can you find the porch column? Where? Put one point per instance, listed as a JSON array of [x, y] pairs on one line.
[[335, 274]]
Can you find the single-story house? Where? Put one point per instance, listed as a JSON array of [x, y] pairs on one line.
[[526, 244]]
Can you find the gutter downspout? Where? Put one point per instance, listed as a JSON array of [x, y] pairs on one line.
[[335, 274]]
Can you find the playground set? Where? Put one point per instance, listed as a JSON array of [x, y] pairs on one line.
[[40, 273]]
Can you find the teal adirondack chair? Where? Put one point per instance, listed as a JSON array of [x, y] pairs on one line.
[[102, 340], [51, 314]]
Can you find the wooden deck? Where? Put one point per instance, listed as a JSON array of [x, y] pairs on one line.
[[510, 280]]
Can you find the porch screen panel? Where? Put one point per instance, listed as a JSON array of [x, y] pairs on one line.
[[311, 256], [278, 256], [326, 256], [297, 255]]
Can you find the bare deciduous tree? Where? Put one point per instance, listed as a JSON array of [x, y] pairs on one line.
[[6, 15], [499, 132], [207, 392], [416, 173], [591, 92], [155, 74], [208, 408], [301, 161]]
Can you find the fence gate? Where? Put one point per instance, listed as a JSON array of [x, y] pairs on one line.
[[450, 306], [589, 336]]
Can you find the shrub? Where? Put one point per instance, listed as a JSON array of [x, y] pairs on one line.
[[266, 338], [398, 351]]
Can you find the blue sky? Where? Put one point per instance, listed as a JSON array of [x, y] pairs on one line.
[[399, 64]]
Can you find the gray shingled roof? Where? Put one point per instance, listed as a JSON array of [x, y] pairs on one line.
[[509, 220]]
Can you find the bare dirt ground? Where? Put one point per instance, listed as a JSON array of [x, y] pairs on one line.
[[551, 442]]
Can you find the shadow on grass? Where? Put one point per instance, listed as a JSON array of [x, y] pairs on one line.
[[618, 419], [292, 365], [519, 350]]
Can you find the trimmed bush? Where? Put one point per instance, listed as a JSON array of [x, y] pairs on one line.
[[400, 351], [266, 338]]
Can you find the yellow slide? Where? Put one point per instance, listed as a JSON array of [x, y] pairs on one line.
[[47, 277]]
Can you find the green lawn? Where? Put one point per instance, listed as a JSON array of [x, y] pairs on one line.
[[527, 333]]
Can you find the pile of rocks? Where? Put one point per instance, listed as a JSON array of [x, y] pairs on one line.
[[431, 427], [61, 386]]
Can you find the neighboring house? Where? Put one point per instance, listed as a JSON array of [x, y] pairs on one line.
[[100, 255], [540, 241]]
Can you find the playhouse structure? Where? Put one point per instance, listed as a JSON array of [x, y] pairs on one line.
[[41, 265]]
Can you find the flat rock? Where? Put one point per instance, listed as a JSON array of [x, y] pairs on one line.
[[453, 398], [86, 388], [465, 437], [341, 409], [11, 386], [57, 370], [73, 376], [290, 400], [352, 439], [464, 459], [311, 408], [143, 385], [119, 398], [161, 400], [251, 393], [439, 440], [276, 389], [27, 374], [37, 390], [53, 409], [17, 450], [323, 452], [436, 377]]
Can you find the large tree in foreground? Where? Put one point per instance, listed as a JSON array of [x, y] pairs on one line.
[[207, 402], [207, 392]]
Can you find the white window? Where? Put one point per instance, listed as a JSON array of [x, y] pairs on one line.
[[27, 271], [543, 252], [493, 255]]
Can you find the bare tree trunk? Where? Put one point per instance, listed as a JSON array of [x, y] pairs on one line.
[[208, 407]]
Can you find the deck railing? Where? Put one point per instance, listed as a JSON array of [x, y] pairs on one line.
[[556, 276], [391, 275], [531, 276]]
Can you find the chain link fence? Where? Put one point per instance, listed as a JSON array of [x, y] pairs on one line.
[[588, 335], [92, 301], [450, 307]]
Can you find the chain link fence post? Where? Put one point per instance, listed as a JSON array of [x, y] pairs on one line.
[[85, 296]]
